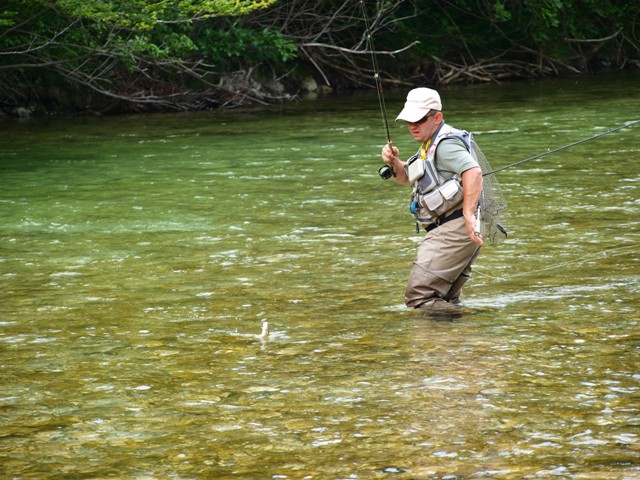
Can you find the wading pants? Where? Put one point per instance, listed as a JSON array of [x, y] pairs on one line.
[[442, 265]]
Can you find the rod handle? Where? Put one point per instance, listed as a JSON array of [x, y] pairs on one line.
[[390, 143], [477, 229]]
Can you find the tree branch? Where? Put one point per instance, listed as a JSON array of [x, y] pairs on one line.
[[594, 40], [359, 52]]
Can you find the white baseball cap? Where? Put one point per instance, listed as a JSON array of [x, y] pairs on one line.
[[419, 102]]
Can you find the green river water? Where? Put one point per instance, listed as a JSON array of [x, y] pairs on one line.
[[139, 256]]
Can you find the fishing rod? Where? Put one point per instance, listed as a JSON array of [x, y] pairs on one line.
[[569, 145], [386, 172]]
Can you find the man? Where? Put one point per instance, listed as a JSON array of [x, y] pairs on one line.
[[447, 183]]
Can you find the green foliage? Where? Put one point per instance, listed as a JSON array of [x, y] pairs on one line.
[[480, 29], [501, 13], [110, 45], [8, 18], [120, 48], [145, 15], [171, 29], [548, 11], [161, 44], [227, 45]]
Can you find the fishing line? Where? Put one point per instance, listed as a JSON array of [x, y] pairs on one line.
[[385, 171], [617, 251], [628, 124]]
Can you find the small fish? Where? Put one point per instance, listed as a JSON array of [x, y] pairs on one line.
[[265, 329]]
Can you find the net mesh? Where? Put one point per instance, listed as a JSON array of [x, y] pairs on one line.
[[493, 206]]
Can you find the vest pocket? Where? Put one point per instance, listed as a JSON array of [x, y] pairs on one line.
[[429, 179], [415, 169], [444, 199]]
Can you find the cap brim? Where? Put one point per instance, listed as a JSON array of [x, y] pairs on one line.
[[412, 115]]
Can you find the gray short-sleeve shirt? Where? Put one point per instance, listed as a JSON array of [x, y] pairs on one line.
[[453, 158]]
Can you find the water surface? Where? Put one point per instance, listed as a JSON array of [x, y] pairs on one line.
[[139, 256]]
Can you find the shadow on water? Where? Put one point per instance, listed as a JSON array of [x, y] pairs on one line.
[[139, 257]]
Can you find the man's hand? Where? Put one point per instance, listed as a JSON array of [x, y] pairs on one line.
[[472, 187], [390, 157]]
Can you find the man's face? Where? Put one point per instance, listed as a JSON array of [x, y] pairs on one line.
[[423, 129]]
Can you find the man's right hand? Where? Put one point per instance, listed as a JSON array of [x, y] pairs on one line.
[[390, 157]]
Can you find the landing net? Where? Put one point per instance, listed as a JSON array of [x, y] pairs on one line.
[[493, 206]]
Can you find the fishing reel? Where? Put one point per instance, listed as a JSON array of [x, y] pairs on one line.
[[386, 172]]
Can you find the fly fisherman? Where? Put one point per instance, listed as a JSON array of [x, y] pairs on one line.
[[447, 184]]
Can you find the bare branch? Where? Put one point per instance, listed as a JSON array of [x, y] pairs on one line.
[[594, 40], [359, 52]]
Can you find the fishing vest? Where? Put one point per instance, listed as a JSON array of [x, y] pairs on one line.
[[434, 196]]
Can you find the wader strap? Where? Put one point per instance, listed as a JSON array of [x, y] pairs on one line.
[[442, 220]]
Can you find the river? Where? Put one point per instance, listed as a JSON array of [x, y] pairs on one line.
[[140, 255]]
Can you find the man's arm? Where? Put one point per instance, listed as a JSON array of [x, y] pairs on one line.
[[471, 188]]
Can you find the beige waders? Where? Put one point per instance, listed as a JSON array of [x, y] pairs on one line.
[[442, 265]]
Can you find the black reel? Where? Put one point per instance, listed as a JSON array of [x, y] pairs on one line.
[[386, 172]]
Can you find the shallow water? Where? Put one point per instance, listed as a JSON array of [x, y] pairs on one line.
[[139, 256]]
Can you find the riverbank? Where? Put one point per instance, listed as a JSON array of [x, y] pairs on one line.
[[274, 92]]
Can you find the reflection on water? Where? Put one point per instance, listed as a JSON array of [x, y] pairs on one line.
[[140, 255]]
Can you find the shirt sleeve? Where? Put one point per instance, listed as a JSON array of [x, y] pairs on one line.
[[453, 158]]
